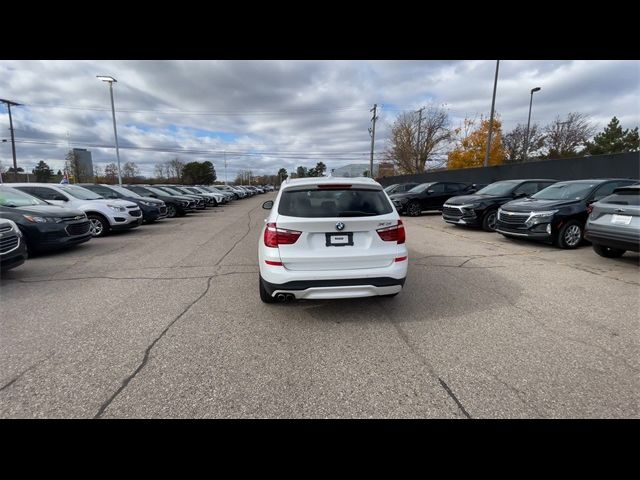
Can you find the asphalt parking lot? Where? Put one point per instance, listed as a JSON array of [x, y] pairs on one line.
[[165, 321]]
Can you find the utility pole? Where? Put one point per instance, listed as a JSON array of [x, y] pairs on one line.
[[13, 140], [225, 166], [493, 104], [372, 131], [418, 146]]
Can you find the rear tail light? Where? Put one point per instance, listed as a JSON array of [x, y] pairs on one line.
[[394, 233], [333, 186], [274, 236], [589, 209]]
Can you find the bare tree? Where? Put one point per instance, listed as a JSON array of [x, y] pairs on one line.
[[110, 173], [174, 168], [563, 138], [514, 143], [97, 174], [129, 171], [159, 170], [403, 149]]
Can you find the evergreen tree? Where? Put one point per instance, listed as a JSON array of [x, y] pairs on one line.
[[614, 140]]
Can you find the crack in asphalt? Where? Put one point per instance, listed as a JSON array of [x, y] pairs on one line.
[[129, 278], [405, 338], [21, 374], [241, 238], [145, 359]]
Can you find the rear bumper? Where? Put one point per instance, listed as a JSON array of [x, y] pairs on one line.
[[624, 241], [337, 288]]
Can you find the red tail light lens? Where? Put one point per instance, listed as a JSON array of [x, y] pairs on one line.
[[394, 233], [274, 236], [589, 209]]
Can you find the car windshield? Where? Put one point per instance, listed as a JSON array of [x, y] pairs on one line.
[[348, 202], [498, 189], [123, 191], [79, 192], [157, 191], [565, 191], [172, 191], [10, 197], [420, 188]]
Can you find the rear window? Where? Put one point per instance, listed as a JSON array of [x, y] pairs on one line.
[[349, 202], [625, 197]]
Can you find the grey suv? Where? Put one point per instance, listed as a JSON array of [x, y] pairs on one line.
[[613, 226]]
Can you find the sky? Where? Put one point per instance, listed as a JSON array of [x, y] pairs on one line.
[[263, 114]]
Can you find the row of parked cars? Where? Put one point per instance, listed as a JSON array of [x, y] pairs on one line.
[[39, 217], [605, 212]]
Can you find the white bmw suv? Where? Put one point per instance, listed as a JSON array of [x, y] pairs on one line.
[[328, 238]]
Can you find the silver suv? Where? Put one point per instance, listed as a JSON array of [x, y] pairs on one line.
[[613, 226]]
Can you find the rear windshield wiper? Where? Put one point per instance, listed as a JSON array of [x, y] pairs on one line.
[[355, 213]]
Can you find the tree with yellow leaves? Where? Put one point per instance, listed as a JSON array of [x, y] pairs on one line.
[[471, 145]]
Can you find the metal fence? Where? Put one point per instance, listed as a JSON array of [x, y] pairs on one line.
[[618, 165]]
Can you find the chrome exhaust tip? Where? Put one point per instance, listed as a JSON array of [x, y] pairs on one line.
[[281, 297], [290, 297]]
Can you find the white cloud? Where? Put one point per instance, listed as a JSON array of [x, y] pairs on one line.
[[297, 112]]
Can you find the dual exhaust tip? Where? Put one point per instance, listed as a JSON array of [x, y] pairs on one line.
[[285, 297]]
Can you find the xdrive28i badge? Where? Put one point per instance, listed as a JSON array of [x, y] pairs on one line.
[[340, 226]]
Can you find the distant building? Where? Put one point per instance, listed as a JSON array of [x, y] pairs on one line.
[[355, 170], [83, 168]]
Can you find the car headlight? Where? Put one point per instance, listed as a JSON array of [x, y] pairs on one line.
[[36, 219], [116, 208], [148, 204], [540, 217], [184, 203], [469, 205]]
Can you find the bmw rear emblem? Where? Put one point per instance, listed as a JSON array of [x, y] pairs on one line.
[[339, 226]]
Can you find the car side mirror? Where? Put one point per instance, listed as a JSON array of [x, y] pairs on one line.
[[268, 205], [60, 197], [429, 191], [520, 195], [153, 195]]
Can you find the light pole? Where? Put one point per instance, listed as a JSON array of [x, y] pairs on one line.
[[13, 141], [111, 81], [526, 136], [493, 104]]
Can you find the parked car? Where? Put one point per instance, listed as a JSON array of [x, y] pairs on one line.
[[177, 206], [428, 196], [13, 249], [400, 187], [328, 237], [481, 208], [556, 214], [200, 202], [218, 198], [152, 208], [236, 192], [212, 189], [104, 215], [247, 190], [44, 226], [613, 225]]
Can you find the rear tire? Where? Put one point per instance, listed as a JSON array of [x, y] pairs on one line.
[[99, 225], [264, 295], [171, 211], [607, 252], [570, 235], [489, 221]]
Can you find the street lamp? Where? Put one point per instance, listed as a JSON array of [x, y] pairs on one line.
[[111, 81], [13, 141], [526, 136]]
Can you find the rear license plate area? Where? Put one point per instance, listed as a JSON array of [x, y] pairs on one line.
[[339, 239]]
